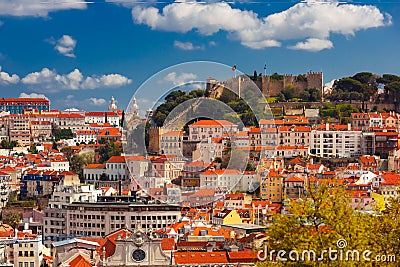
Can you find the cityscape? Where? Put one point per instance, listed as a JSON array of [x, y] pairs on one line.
[[120, 145]]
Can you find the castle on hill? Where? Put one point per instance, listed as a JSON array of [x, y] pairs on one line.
[[272, 85]]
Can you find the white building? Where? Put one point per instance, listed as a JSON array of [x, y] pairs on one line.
[[28, 250], [93, 172], [102, 117], [59, 165], [335, 141], [54, 218], [138, 166], [85, 136], [223, 179], [100, 219], [249, 182], [209, 149], [116, 168]]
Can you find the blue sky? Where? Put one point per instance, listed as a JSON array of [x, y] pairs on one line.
[[79, 54]]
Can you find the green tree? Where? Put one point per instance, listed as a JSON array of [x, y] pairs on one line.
[[12, 219], [78, 161], [5, 144], [67, 151], [61, 133], [364, 77], [109, 149], [288, 92], [276, 77], [33, 150], [388, 78]]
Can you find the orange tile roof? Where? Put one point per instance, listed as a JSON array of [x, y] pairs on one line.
[[221, 172], [294, 179], [168, 244], [294, 129], [135, 158], [203, 193], [101, 114], [173, 133], [200, 257], [211, 123], [247, 255], [80, 261], [116, 159], [95, 166]]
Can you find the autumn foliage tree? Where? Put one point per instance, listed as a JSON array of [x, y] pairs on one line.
[[323, 219]]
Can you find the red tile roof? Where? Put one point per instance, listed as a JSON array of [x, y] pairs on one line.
[[116, 159], [200, 257], [221, 172], [95, 166], [80, 261], [206, 123], [168, 244]]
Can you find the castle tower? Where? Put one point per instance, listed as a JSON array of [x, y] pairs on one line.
[[112, 107]]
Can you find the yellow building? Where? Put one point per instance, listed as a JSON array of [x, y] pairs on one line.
[[226, 217], [271, 187]]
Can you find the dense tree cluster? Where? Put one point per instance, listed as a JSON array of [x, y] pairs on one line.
[[5, 144], [338, 111], [108, 149], [364, 86], [172, 100], [60, 134]]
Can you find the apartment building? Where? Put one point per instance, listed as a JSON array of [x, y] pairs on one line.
[[224, 179], [73, 121], [19, 129], [294, 135], [171, 143], [28, 250], [271, 187], [18, 105], [191, 173], [101, 218], [41, 131], [55, 214], [335, 141], [167, 166], [210, 128]]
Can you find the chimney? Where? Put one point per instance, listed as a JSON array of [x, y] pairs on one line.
[[349, 127], [327, 126]]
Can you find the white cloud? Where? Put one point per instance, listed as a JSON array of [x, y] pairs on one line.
[[66, 45], [180, 79], [51, 80], [212, 43], [330, 84], [97, 101], [313, 44], [262, 44], [6, 78], [187, 46], [32, 95], [306, 20], [38, 8]]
